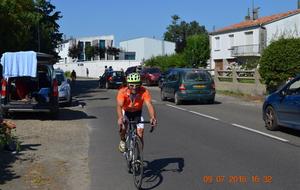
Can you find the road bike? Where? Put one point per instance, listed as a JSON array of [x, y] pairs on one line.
[[134, 152]]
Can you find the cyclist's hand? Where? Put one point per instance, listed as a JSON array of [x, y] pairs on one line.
[[153, 122]]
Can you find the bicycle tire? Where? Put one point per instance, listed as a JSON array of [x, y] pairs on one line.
[[127, 154], [137, 164]]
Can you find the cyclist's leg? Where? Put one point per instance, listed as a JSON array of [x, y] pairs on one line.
[[140, 130]]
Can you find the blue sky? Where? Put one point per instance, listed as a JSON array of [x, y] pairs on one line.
[[127, 19]]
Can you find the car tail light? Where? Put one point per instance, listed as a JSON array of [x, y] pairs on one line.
[[110, 78], [3, 90], [182, 87], [55, 88]]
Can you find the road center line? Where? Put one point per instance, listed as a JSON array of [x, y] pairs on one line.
[[176, 107], [203, 115], [259, 132]]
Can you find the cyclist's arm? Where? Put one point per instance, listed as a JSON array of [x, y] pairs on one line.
[[151, 109], [119, 108]]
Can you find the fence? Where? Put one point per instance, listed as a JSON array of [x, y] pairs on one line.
[[241, 81]]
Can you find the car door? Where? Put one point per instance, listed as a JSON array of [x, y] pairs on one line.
[[289, 107]]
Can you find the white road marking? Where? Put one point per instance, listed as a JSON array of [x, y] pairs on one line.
[[176, 107], [259, 132], [203, 115], [234, 124], [154, 100]]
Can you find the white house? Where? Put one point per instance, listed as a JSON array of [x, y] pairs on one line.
[[101, 41], [245, 41], [144, 48]]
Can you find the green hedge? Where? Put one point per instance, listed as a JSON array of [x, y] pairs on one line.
[[279, 61]]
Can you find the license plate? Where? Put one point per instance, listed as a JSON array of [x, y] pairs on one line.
[[199, 86]]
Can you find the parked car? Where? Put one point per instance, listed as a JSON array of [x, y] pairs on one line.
[[162, 77], [112, 79], [183, 84], [130, 70], [282, 108], [150, 76], [29, 93], [133, 69], [64, 88]]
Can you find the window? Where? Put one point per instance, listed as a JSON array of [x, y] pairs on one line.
[[217, 43], [294, 89], [231, 41]]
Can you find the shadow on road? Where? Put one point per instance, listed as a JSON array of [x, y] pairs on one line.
[[63, 115], [82, 87], [153, 171], [290, 131], [7, 158]]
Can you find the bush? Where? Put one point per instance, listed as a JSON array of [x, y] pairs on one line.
[[68, 74], [279, 61], [165, 62]]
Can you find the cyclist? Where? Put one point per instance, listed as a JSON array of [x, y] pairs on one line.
[[130, 101]]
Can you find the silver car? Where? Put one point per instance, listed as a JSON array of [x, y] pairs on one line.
[[64, 88]]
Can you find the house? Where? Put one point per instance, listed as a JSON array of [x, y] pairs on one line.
[[244, 42], [144, 48], [100, 41]]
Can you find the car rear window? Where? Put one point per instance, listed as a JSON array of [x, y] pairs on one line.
[[117, 73], [196, 76], [60, 77]]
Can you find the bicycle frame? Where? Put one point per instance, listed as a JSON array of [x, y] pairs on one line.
[[134, 152]]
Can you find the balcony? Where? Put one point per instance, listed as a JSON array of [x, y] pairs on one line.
[[246, 51]]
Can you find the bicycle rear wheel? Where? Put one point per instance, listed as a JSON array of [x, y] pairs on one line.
[[137, 164]]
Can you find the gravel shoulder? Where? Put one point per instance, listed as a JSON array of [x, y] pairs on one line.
[[54, 153]]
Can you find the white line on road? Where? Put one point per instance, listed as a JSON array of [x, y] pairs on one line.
[[154, 100], [256, 131], [176, 107], [203, 115]]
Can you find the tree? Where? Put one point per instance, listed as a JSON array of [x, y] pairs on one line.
[[197, 51], [90, 52], [279, 61], [29, 25], [74, 51], [113, 51], [178, 33], [47, 29], [16, 19]]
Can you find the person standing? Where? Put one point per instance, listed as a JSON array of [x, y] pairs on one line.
[[87, 72]]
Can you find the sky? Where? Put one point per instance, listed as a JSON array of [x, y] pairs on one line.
[[128, 19]]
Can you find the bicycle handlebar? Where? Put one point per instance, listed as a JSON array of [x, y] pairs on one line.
[[145, 122]]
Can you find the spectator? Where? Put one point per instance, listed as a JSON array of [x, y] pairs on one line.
[[110, 69], [73, 76], [105, 69], [87, 72]]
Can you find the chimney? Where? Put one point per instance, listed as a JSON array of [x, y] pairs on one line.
[[255, 13], [298, 4], [248, 15]]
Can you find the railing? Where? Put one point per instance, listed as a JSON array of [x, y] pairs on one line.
[[246, 50], [245, 81]]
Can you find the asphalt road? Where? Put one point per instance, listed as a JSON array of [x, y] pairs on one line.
[[219, 146]]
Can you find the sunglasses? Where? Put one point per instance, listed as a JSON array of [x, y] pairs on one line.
[[134, 85]]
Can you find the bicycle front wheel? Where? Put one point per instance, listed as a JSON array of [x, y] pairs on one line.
[[137, 164]]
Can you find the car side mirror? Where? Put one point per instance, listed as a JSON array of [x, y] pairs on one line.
[[283, 93]]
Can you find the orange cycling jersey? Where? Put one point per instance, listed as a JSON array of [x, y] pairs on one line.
[[133, 102]]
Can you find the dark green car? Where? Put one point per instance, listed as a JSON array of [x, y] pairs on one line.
[[183, 84]]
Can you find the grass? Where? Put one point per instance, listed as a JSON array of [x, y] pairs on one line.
[[241, 95]]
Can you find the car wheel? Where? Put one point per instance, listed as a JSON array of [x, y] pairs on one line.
[[271, 119], [162, 95], [176, 100]]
